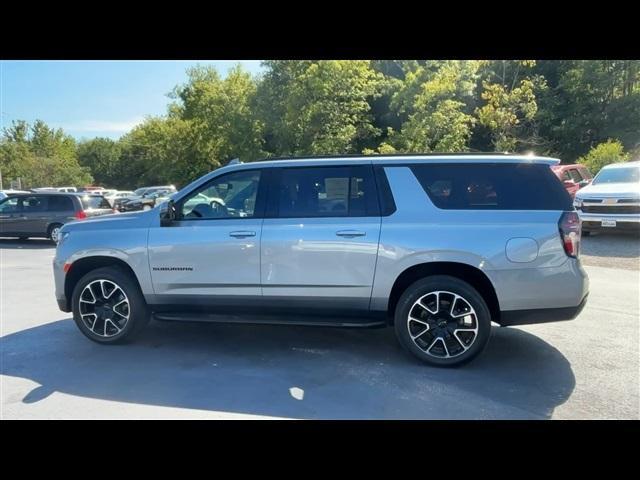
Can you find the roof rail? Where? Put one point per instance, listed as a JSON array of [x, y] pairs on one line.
[[375, 155]]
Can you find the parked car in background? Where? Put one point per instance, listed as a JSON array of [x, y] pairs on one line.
[[436, 246], [5, 193], [573, 177], [118, 195], [42, 215], [145, 198], [91, 188], [612, 200]]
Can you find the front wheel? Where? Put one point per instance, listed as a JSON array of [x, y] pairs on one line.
[[108, 306], [146, 208], [443, 321]]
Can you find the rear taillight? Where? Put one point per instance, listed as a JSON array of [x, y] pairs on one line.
[[569, 226], [80, 215]]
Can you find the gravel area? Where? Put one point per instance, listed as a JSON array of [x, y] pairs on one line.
[[613, 250]]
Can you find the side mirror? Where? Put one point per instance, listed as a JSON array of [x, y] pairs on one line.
[[168, 214]]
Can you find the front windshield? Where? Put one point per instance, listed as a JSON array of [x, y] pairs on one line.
[[139, 191], [618, 175]]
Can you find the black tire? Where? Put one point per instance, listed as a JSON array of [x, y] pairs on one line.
[[138, 310], [586, 233], [469, 295], [51, 231]]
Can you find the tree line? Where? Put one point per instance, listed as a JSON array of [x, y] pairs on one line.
[[585, 111]]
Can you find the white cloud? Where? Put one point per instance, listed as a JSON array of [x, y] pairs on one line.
[[104, 126]]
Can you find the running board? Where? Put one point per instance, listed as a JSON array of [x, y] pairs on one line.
[[271, 320]]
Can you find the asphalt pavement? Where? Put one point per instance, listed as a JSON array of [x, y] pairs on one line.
[[588, 368]]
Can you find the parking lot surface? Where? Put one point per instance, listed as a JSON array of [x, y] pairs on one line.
[[586, 368]]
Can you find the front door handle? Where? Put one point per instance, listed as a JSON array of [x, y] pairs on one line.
[[350, 233], [242, 234]]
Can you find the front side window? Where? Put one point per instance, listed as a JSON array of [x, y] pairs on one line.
[[326, 192], [9, 205], [232, 195]]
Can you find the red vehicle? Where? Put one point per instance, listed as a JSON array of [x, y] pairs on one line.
[[573, 177]]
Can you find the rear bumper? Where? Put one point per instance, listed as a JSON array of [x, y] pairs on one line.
[[540, 315]]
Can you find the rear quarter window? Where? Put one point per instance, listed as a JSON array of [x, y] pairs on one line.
[[517, 186]]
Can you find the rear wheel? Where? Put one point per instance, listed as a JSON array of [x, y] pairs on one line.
[[54, 232], [586, 233], [108, 306], [443, 321]]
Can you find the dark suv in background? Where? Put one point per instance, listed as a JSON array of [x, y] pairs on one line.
[[42, 215]]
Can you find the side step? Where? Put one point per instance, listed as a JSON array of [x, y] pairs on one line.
[[315, 321]]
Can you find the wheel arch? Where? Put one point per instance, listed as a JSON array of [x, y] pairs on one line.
[[468, 273], [82, 266]]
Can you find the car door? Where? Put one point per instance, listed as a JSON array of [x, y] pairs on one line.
[[210, 255], [9, 214], [34, 216], [320, 238]]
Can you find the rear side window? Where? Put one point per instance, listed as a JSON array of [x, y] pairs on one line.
[[60, 203], [347, 191], [575, 175], [93, 201], [586, 174], [493, 187]]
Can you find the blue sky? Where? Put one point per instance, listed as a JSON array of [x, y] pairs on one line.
[[94, 98]]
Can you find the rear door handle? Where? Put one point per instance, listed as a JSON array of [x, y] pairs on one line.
[[350, 233], [242, 234]]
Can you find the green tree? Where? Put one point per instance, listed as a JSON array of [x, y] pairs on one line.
[[102, 156], [433, 104], [221, 113], [603, 154], [40, 156], [589, 101], [510, 104], [321, 107]]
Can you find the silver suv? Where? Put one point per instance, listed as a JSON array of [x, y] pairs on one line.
[[437, 246]]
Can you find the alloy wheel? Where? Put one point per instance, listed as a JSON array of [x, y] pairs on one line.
[[442, 324], [104, 308]]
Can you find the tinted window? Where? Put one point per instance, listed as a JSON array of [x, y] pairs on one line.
[[575, 175], [94, 201], [229, 196], [493, 186], [60, 203], [326, 192], [33, 204]]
